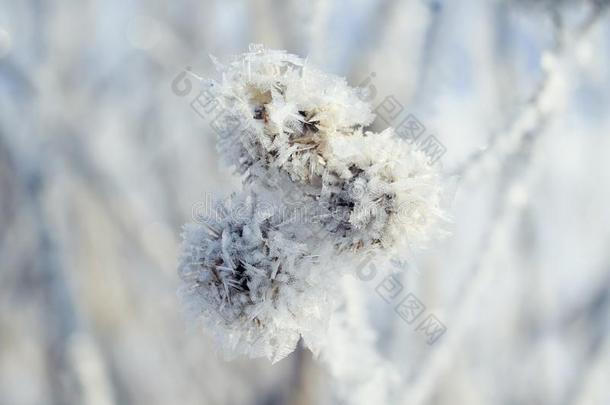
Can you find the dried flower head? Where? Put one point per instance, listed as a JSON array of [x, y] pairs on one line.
[[257, 277], [251, 276], [378, 190]]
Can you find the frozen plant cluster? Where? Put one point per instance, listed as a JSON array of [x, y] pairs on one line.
[[261, 280], [253, 280]]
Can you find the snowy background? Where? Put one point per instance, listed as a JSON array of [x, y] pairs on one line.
[[101, 163]]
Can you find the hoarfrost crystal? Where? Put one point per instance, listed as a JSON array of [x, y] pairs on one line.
[[319, 191], [252, 279]]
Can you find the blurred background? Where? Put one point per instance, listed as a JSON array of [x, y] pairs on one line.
[[101, 163]]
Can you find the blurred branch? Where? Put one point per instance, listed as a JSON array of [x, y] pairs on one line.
[[62, 319], [537, 108], [523, 138]]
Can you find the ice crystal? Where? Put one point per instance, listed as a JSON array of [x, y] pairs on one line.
[[253, 279], [262, 279], [309, 125]]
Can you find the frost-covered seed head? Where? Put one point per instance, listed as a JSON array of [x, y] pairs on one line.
[[320, 191], [378, 190], [252, 281]]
